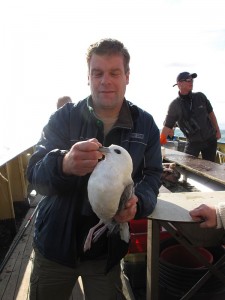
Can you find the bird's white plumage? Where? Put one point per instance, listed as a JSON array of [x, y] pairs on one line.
[[107, 183]]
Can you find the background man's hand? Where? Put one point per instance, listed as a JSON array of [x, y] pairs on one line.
[[206, 214]]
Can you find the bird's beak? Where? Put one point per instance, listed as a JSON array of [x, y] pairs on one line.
[[104, 149]]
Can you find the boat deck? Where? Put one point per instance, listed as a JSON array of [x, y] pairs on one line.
[[14, 279]]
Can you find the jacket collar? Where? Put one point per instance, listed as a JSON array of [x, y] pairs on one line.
[[125, 117]]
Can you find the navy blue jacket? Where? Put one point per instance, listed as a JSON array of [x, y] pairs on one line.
[[64, 214]]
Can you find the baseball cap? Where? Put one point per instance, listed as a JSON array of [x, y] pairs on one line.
[[185, 75]]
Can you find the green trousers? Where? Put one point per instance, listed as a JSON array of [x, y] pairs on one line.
[[52, 281]]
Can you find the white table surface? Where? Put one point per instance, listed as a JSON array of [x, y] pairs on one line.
[[175, 207]]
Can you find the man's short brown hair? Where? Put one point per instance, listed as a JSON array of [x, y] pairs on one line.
[[109, 47]]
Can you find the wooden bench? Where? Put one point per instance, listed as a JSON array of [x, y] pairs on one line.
[[200, 167]]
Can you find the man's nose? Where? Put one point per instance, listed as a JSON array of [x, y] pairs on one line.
[[105, 79]]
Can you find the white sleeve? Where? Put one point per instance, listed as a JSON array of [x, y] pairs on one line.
[[220, 213]]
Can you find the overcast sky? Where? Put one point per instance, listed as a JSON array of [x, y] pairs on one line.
[[43, 46]]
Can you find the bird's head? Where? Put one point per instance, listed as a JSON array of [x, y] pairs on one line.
[[119, 156]]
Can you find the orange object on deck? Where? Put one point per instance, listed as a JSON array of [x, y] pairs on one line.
[[163, 139]]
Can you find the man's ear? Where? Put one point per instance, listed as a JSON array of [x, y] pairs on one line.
[[127, 77]]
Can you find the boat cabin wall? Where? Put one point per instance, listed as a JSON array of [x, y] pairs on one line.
[[13, 186]]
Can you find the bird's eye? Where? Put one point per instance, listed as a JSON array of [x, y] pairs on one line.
[[117, 151]]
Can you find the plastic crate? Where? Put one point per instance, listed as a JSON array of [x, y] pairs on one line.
[[138, 236], [138, 243]]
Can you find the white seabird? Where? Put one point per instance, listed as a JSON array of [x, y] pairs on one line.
[[109, 187]]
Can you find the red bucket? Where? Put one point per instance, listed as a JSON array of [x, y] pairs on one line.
[[179, 256]]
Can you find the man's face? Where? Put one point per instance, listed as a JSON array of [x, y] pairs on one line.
[[108, 80], [185, 86]]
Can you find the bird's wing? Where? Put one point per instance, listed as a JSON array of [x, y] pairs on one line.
[[126, 195]]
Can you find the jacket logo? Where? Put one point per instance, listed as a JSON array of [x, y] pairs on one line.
[[139, 136]]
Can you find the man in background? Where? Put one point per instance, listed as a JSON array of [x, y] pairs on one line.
[[193, 113], [63, 100]]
